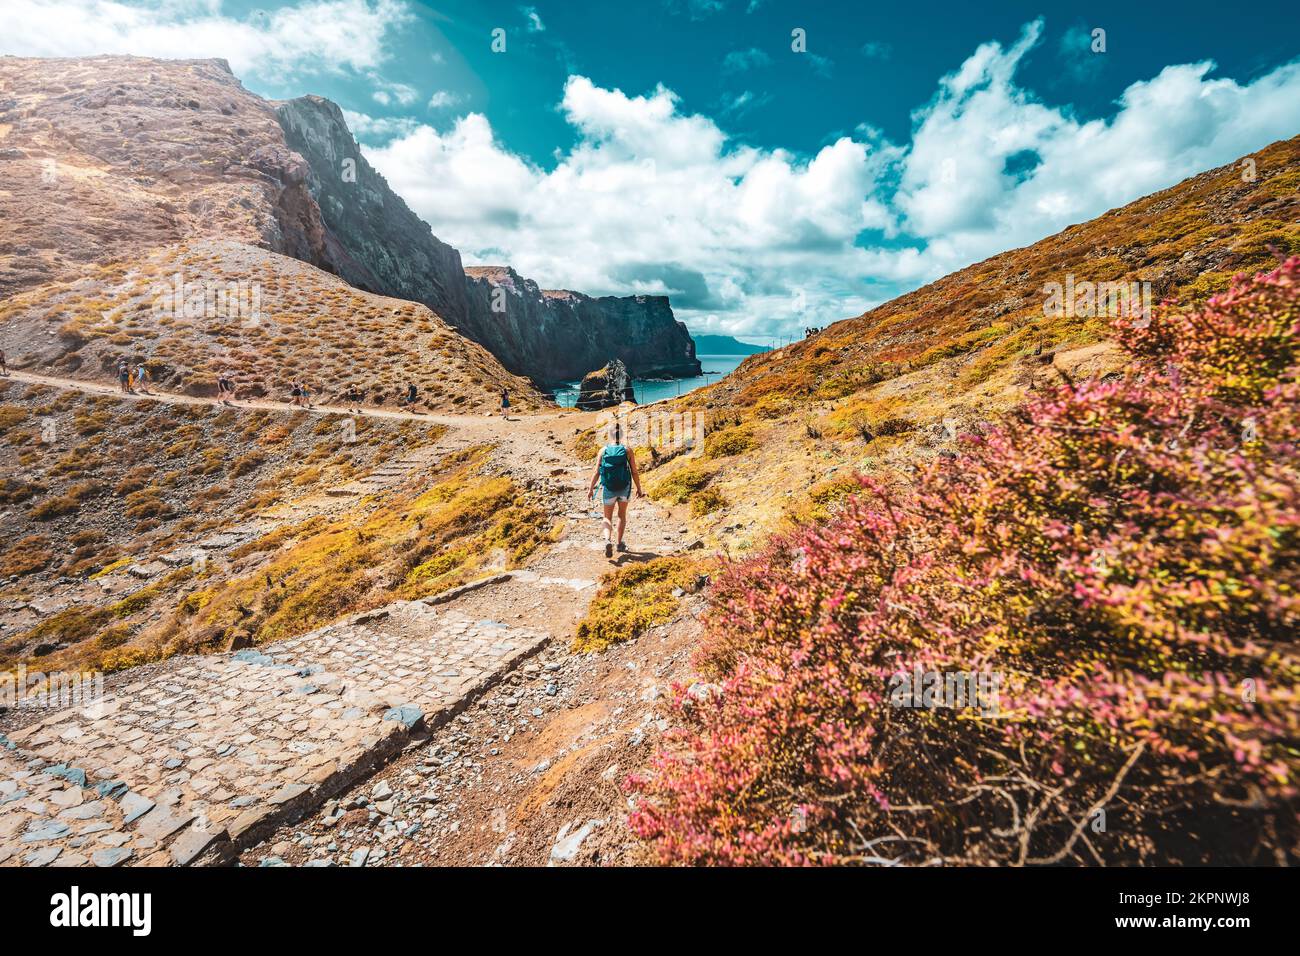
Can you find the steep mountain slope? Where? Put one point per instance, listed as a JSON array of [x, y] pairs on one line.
[[392, 249], [549, 336], [902, 381], [154, 214], [107, 157]]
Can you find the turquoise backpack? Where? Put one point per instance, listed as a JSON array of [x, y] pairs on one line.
[[615, 474]]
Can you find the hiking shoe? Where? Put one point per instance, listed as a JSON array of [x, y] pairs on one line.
[[622, 546], [609, 550]]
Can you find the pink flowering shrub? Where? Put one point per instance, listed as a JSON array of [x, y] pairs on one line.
[[1122, 556]]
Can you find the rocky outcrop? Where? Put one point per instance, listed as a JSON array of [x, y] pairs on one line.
[[557, 336], [606, 387], [107, 158], [383, 246]]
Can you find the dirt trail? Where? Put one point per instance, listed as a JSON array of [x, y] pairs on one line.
[[172, 398], [554, 706]]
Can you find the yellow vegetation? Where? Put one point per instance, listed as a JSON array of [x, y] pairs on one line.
[[635, 598]]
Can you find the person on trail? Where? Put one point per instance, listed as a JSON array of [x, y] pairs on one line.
[[297, 394], [505, 403], [410, 393], [225, 390], [123, 376], [617, 472], [142, 378]]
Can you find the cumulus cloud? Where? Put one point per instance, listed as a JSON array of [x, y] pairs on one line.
[[312, 36], [653, 199], [389, 94], [656, 199], [991, 167], [371, 129]]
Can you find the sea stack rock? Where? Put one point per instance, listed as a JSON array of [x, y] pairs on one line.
[[606, 387]]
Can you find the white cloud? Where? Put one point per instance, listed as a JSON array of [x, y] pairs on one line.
[[370, 129], [740, 104], [653, 199], [388, 93], [738, 61], [311, 36], [444, 99], [991, 167], [535, 24]]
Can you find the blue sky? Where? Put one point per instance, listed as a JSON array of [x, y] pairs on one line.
[[688, 147]]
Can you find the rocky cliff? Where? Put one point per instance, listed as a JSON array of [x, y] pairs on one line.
[[153, 211], [558, 335], [382, 245]]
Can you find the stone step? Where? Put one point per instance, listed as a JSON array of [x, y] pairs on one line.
[[211, 753]]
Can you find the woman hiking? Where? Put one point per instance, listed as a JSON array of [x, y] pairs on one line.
[[617, 472]]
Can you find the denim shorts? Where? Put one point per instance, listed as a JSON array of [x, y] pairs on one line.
[[608, 497]]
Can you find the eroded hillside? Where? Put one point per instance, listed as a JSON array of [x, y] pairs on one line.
[[107, 158], [196, 312], [154, 214]]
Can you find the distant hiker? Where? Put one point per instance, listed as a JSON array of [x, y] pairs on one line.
[[410, 393], [225, 390], [354, 396], [306, 395], [298, 392], [123, 376], [505, 403], [617, 472], [142, 378], [4, 368]]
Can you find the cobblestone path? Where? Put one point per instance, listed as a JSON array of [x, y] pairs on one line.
[[193, 767]]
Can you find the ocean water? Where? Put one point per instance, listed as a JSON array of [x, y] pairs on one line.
[[713, 367]]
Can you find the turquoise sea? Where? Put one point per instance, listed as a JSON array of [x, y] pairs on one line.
[[647, 391]]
